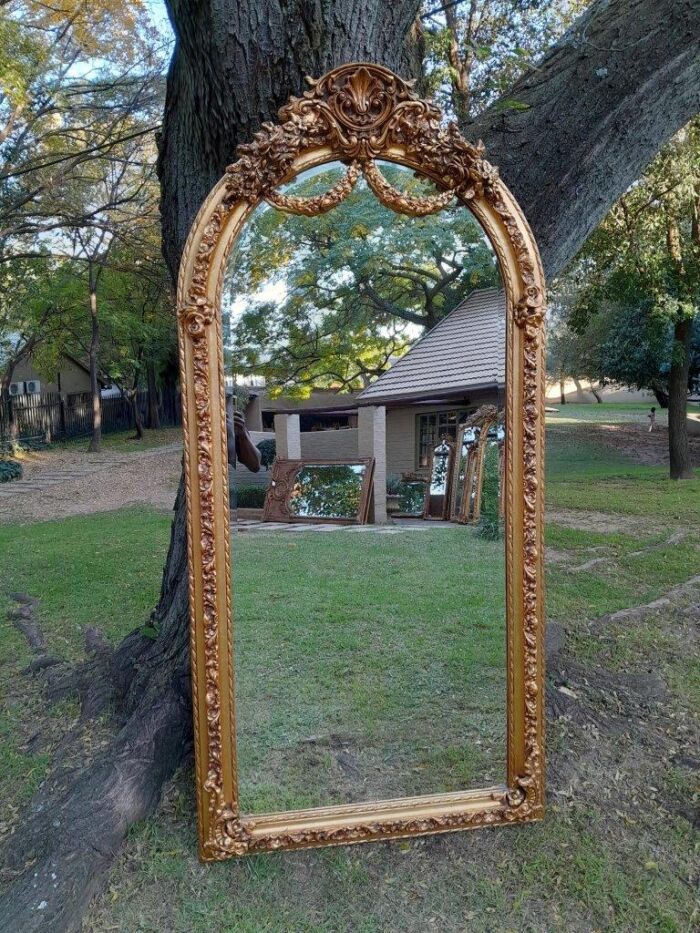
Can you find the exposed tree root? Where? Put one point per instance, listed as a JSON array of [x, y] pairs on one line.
[[58, 855], [639, 612]]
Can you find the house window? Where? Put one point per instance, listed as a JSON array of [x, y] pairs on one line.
[[432, 427]]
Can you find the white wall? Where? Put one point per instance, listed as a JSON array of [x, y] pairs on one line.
[[336, 445]]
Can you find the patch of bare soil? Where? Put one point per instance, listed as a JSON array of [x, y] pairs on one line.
[[60, 483], [637, 442], [608, 522]]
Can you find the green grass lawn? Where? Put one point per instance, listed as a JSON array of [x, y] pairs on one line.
[[582, 472], [125, 442], [354, 651], [608, 413], [344, 690]]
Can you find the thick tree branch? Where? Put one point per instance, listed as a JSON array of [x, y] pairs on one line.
[[623, 79]]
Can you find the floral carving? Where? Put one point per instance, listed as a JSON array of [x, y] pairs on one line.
[[358, 113]]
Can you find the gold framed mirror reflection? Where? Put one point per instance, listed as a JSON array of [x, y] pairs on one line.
[[358, 114]]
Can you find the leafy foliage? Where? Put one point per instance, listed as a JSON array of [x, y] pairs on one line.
[[476, 51], [331, 300], [9, 470], [490, 523], [268, 451], [327, 491], [628, 307]]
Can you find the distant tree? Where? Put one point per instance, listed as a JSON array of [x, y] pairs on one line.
[[636, 289], [475, 50], [29, 318], [61, 66]]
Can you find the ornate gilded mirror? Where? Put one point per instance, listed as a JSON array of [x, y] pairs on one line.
[[320, 491], [366, 284], [439, 486]]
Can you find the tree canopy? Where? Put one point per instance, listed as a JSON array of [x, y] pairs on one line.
[[332, 299], [630, 303]]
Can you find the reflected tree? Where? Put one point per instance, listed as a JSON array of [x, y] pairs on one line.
[[333, 299], [328, 491]]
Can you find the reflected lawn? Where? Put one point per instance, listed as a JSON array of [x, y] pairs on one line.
[[367, 665]]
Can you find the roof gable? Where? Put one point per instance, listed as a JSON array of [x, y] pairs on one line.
[[466, 350]]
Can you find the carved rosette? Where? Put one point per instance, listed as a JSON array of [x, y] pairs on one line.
[[360, 113]]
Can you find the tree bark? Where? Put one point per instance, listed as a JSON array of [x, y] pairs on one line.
[[96, 438], [579, 128], [604, 100], [234, 66], [152, 389], [136, 414], [681, 466]]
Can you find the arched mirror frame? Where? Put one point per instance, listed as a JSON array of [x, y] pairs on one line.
[[355, 114]]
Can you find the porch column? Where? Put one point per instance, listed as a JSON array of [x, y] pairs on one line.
[[371, 442], [288, 437]]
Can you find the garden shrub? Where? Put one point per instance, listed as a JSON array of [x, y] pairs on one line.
[[9, 470], [268, 452], [490, 523], [250, 497]]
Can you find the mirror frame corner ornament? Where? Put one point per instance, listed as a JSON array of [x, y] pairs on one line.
[[356, 114]]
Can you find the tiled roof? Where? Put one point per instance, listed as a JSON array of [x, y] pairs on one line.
[[319, 400], [465, 351]]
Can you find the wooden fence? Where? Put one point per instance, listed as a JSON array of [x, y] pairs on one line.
[[52, 417]]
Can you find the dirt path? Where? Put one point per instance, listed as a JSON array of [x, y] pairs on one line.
[[631, 439], [59, 483]]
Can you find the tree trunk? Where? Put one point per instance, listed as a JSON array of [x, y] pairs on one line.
[[602, 103], [596, 394], [6, 399], [96, 439], [152, 388], [661, 396], [678, 447], [236, 63], [136, 414], [6, 402]]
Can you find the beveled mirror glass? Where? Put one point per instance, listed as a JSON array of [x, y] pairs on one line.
[[366, 287]]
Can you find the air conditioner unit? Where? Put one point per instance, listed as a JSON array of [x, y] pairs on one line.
[[32, 386], [16, 388]]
